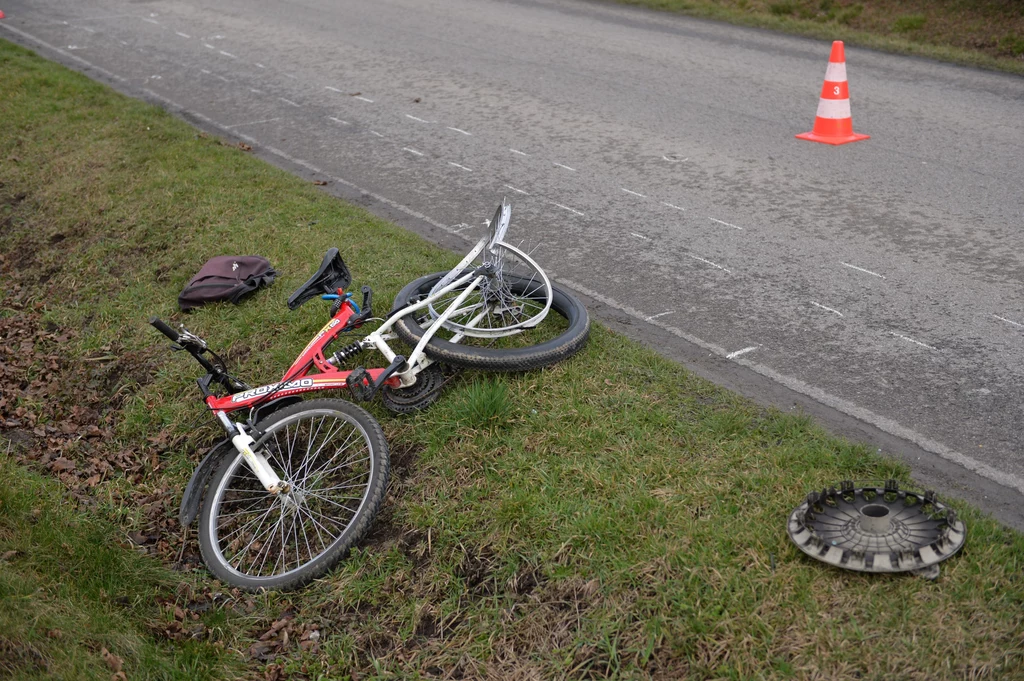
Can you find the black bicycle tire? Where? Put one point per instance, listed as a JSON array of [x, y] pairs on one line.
[[554, 350], [352, 534]]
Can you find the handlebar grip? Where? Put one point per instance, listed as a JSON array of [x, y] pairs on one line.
[[163, 328]]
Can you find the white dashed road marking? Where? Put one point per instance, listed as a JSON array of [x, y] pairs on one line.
[[861, 269], [640, 236], [630, 191], [364, 99], [516, 190], [227, 54], [660, 314], [665, 203], [1008, 321], [708, 262], [183, 35], [288, 101], [453, 163], [516, 151], [416, 119], [412, 151], [566, 167], [725, 223], [338, 120], [332, 89], [571, 210], [823, 307], [923, 345], [462, 131]]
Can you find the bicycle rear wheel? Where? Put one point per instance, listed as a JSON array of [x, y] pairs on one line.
[[559, 336], [334, 456]]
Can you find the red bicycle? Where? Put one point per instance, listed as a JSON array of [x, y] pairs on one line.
[[297, 483]]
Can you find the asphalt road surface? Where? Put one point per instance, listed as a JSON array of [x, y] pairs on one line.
[[651, 163]]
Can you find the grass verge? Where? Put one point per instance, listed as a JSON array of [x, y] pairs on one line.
[[612, 516], [984, 33], [79, 605]]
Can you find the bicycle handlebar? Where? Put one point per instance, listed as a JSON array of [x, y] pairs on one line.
[[164, 329]]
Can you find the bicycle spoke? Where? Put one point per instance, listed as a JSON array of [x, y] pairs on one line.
[[322, 527], [328, 489], [266, 546], [243, 528], [307, 459], [334, 503], [348, 463], [305, 537], [326, 463], [321, 448]]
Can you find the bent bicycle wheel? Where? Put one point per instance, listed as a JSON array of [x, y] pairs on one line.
[[494, 308], [557, 337], [334, 457]]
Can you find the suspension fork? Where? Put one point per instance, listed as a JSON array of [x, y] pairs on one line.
[[257, 463]]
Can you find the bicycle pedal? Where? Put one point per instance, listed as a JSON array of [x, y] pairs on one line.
[[360, 384]]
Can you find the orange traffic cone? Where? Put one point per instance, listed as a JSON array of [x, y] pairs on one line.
[[833, 124]]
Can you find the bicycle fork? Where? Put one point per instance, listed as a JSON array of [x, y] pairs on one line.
[[258, 463]]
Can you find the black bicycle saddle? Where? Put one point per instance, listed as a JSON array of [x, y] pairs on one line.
[[332, 275]]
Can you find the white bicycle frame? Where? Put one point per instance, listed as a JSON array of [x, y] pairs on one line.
[[417, 360]]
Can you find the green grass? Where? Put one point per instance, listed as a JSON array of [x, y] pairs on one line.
[[610, 517], [71, 592], [985, 33]]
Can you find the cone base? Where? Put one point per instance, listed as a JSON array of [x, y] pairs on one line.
[[834, 140]]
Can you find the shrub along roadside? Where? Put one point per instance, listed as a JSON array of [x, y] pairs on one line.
[[610, 516]]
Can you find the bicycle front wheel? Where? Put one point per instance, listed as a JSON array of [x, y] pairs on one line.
[[560, 336], [334, 457]]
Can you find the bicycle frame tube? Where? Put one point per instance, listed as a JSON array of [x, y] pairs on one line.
[[377, 337], [296, 380]]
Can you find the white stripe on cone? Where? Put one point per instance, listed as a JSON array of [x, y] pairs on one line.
[[836, 72], [834, 108]]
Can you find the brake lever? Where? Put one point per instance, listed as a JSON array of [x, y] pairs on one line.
[[186, 337]]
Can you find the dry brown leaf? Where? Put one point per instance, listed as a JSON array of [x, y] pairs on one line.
[[61, 464], [113, 661], [244, 147]]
